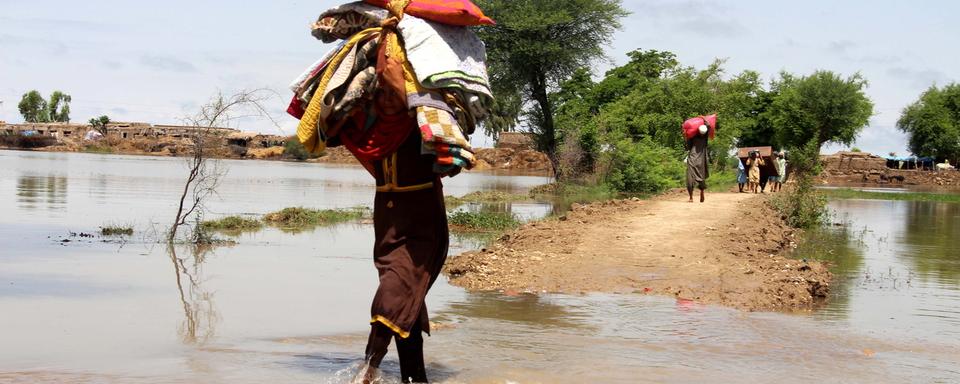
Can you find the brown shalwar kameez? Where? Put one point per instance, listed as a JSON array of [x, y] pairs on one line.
[[698, 169], [410, 224]]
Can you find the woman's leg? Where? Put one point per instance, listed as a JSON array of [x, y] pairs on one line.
[[377, 345], [412, 367]]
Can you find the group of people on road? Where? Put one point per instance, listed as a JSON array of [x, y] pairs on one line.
[[749, 176]]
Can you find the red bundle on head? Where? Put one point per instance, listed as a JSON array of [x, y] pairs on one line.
[[452, 12], [691, 127]]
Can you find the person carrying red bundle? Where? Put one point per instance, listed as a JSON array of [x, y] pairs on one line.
[[697, 131]]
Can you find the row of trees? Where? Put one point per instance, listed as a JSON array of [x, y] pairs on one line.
[[35, 109], [624, 129]]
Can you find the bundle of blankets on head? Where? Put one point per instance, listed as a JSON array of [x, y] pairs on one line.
[[398, 65]]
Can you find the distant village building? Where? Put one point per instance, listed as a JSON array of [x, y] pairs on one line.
[[124, 130]]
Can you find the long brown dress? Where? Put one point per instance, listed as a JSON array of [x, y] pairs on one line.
[[410, 224], [697, 163]]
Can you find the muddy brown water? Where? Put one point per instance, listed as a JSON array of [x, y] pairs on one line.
[[292, 308]]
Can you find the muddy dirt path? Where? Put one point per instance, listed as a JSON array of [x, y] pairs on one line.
[[730, 251]]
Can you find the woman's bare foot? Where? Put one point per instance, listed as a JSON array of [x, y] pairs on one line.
[[367, 375]]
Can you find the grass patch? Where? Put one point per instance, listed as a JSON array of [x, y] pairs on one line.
[[482, 221], [231, 224], [485, 197], [116, 230], [299, 217], [847, 193], [722, 181]]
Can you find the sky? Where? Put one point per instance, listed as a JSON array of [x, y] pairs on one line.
[[158, 61]]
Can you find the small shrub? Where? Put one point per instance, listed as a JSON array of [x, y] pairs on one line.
[[802, 207], [116, 230], [293, 149], [482, 221], [231, 224], [305, 217]]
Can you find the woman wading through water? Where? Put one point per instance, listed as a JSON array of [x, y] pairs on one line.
[[404, 112]]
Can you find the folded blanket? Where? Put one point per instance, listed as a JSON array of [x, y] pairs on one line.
[[443, 54], [443, 138], [299, 85], [312, 129], [339, 23]]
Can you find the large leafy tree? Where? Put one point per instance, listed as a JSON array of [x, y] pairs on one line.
[[933, 123], [536, 45], [819, 108], [59, 106], [35, 109]]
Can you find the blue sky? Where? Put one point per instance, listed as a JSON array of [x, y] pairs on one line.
[[155, 62]]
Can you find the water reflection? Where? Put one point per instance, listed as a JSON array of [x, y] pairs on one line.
[[199, 312], [529, 309], [42, 192], [843, 248], [933, 230]]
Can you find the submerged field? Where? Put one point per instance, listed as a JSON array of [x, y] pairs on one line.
[[292, 306]]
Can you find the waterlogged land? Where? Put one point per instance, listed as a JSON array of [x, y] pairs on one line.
[[292, 306], [890, 194]]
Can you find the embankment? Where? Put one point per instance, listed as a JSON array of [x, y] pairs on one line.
[[729, 251]]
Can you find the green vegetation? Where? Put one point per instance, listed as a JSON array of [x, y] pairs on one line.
[[231, 224], [933, 123], [484, 197], [293, 149], [116, 230], [624, 131], [847, 193], [304, 217], [482, 221], [803, 206], [724, 180], [535, 45], [100, 124], [35, 109]]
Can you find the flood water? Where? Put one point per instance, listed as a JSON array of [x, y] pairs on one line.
[[291, 308]]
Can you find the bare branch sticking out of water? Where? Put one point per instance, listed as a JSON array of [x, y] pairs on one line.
[[206, 136]]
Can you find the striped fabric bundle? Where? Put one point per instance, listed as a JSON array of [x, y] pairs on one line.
[[436, 70]]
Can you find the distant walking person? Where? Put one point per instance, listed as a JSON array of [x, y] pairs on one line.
[[781, 164], [753, 170], [741, 175], [697, 163]]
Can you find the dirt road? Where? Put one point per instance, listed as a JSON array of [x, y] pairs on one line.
[[728, 251]]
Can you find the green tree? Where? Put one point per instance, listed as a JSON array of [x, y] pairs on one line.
[[808, 112], [59, 107], [933, 123], [819, 108], [536, 45], [33, 108], [100, 124]]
